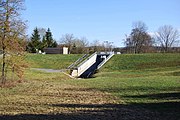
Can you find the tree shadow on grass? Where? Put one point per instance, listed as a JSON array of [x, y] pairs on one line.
[[90, 112], [134, 111], [167, 104], [164, 96], [102, 112]]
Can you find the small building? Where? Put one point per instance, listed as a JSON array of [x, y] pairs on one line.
[[63, 50]]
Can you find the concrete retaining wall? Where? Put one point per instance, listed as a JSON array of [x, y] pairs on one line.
[[86, 64]]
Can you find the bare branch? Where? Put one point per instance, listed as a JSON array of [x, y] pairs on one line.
[[167, 36]]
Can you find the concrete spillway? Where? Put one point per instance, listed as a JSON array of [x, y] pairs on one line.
[[88, 67]]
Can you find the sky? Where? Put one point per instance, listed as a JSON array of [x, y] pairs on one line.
[[103, 20]]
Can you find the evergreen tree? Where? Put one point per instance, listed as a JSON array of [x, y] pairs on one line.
[[48, 41], [35, 42], [44, 43], [55, 44]]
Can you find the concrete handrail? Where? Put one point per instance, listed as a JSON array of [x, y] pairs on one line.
[[86, 64], [86, 59], [77, 61], [105, 60]]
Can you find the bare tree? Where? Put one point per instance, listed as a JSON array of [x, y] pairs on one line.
[[97, 46], [108, 46], [75, 45], [139, 39], [80, 45], [12, 33], [81, 42], [166, 36], [140, 25], [68, 39]]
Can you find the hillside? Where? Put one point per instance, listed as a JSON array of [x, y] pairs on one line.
[[142, 87], [54, 61], [148, 81], [142, 62]]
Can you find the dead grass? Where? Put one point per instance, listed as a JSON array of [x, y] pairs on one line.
[[54, 98], [42, 96]]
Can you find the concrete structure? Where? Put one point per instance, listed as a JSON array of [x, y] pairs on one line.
[[65, 50], [91, 64], [105, 60], [81, 68]]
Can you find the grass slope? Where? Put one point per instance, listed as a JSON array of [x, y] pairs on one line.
[[143, 87], [150, 81], [49, 61], [142, 62]]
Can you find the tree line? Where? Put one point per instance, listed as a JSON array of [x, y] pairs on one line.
[[140, 41], [39, 42], [41, 39], [76, 45]]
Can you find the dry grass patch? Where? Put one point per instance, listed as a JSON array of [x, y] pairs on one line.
[[47, 96], [55, 98]]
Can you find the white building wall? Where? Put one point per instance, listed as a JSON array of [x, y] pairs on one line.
[[65, 50]]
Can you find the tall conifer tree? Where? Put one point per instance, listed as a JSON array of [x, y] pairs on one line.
[[35, 42], [49, 41]]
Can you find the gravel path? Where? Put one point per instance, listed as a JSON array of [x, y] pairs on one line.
[[47, 70]]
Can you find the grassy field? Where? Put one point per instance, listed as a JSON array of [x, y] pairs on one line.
[[51, 61], [142, 62], [150, 81], [143, 87]]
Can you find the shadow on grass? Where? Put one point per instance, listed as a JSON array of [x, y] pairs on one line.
[[90, 112], [128, 89], [176, 73], [135, 111], [167, 105], [97, 112], [171, 104], [164, 96]]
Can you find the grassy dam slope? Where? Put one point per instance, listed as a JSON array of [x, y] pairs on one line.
[[135, 87], [51, 61], [142, 62]]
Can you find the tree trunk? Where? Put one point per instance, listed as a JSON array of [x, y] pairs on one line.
[[3, 78]]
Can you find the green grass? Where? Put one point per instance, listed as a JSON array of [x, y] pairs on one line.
[[150, 81], [145, 86], [142, 62], [50, 96], [51, 61]]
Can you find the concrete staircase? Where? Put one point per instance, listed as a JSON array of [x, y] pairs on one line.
[[84, 65], [87, 67]]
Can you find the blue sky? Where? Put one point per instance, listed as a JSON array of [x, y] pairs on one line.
[[103, 20]]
